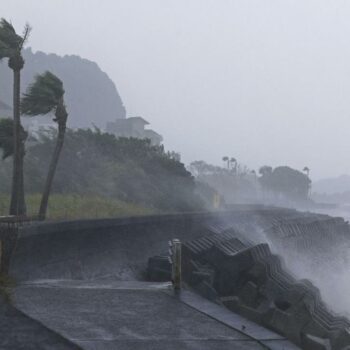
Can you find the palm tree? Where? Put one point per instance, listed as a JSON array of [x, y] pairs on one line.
[[11, 45], [45, 95], [307, 171], [6, 137], [233, 161], [226, 159]]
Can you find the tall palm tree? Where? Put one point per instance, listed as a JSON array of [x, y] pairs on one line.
[[45, 95], [233, 161], [307, 171], [226, 159], [11, 45], [6, 137]]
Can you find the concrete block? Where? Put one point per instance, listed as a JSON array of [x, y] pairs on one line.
[[249, 294], [311, 342]]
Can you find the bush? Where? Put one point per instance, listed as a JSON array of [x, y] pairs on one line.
[[96, 165]]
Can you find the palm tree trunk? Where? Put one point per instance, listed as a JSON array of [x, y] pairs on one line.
[[21, 200], [61, 117], [17, 205]]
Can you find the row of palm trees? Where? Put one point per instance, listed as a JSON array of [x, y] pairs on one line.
[[43, 96], [230, 162]]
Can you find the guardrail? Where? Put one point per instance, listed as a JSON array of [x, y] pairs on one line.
[[9, 228], [13, 220]]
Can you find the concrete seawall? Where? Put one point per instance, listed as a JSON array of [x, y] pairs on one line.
[[106, 248], [119, 248], [98, 254]]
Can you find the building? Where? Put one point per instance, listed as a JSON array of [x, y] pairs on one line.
[[134, 127], [155, 138]]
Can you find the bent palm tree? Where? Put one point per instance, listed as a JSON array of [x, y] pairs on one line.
[[11, 45], [45, 95]]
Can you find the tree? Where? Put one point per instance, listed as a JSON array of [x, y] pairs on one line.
[[226, 159], [6, 137], [45, 95], [234, 161], [11, 45], [283, 180], [96, 163], [306, 170], [265, 170], [200, 168]]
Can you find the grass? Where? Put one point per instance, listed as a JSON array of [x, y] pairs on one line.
[[71, 206]]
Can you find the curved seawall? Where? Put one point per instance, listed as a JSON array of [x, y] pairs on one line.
[[120, 248], [274, 245]]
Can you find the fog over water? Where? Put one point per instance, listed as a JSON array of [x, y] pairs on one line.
[[264, 81]]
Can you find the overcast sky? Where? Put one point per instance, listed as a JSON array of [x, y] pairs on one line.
[[265, 81]]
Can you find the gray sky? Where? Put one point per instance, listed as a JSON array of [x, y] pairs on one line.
[[265, 81]]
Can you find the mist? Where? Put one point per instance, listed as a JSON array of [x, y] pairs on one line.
[[184, 158], [213, 78]]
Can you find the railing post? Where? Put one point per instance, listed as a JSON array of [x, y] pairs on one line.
[[175, 260]]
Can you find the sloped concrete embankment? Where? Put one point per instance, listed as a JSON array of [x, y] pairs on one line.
[[99, 249], [119, 248]]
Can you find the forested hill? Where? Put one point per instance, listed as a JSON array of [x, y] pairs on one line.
[[91, 96]]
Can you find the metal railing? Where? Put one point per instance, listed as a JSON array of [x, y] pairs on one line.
[[14, 221]]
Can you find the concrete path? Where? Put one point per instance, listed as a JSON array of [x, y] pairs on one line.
[[138, 315], [21, 332]]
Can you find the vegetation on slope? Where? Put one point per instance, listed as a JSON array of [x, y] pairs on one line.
[[122, 175]]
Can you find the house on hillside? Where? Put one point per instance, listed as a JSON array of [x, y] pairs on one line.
[[134, 127], [155, 138]]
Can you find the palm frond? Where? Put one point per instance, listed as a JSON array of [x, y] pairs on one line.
[[26, 33], [5, 51], [9, 36], [43, 95]]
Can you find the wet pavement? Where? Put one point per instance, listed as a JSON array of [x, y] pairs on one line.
[[138, 315]]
